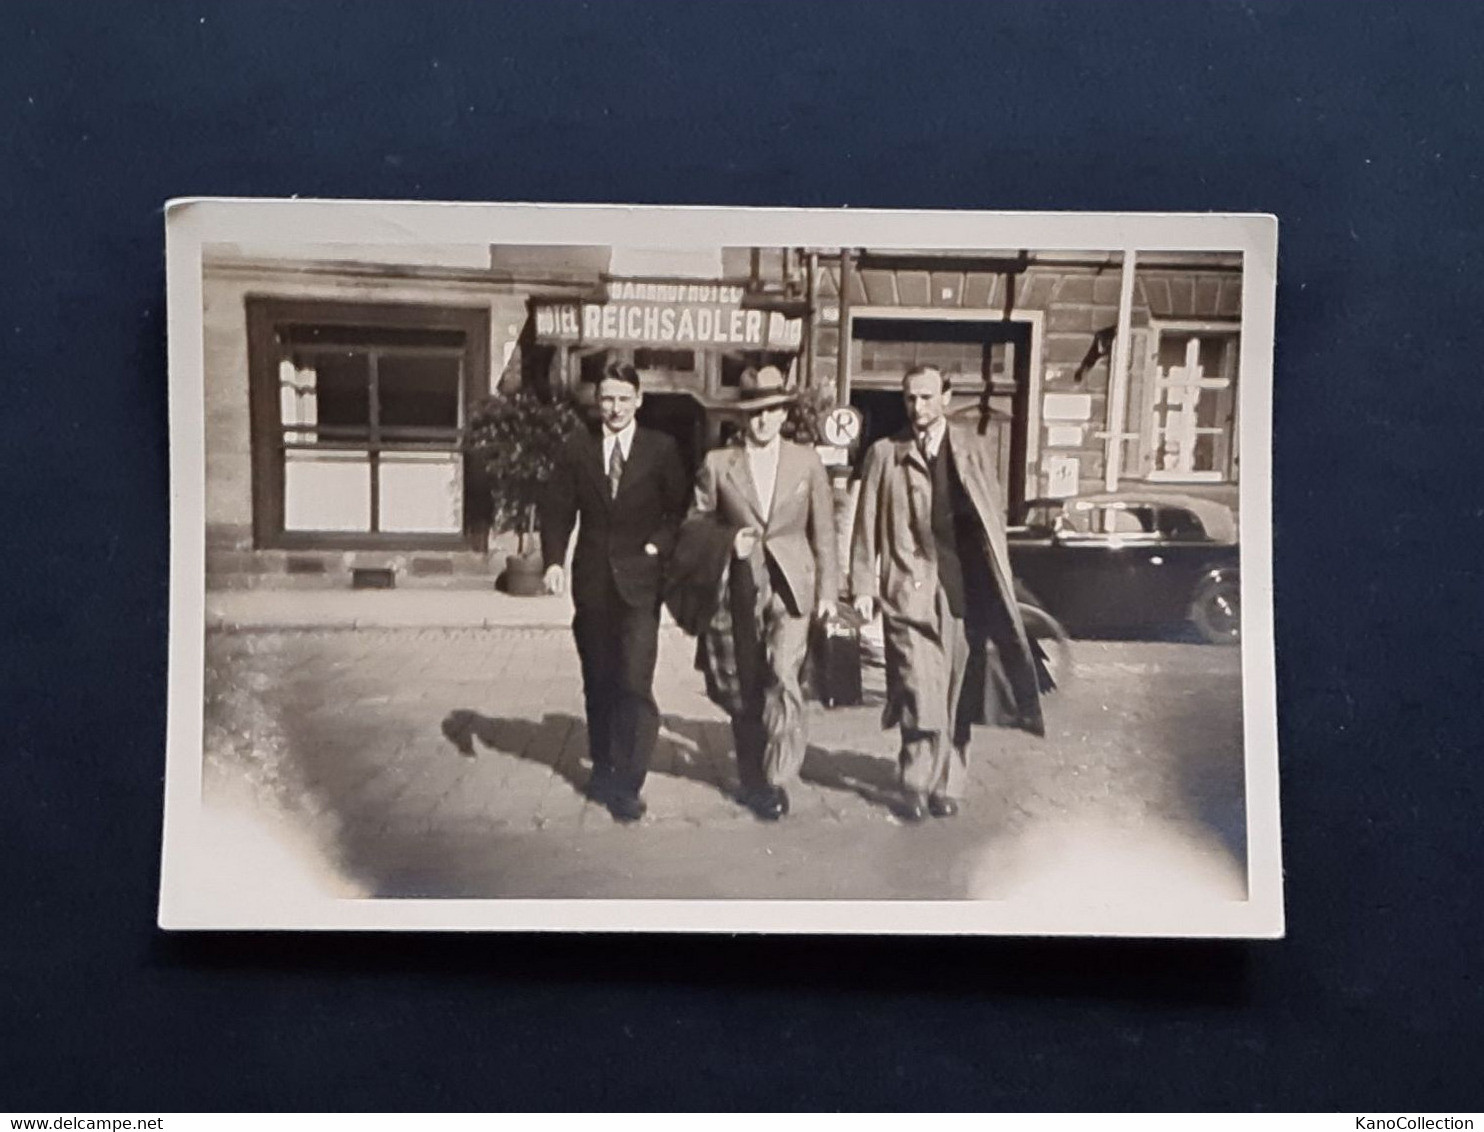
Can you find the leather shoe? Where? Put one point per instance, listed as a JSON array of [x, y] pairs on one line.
[[767, 802], [941, 807], [914, 808], [626, 807], [599, 784]]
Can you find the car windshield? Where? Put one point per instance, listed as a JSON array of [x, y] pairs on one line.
[[1063, 519], [1128, 520], [1077, 519]]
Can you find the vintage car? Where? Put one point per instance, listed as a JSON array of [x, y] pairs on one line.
[[1115, 564]]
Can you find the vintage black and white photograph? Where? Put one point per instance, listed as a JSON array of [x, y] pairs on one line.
[[599, 567]]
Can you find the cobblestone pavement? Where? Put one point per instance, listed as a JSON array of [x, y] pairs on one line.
[[342, 730]]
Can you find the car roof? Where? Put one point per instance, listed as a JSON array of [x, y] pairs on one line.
[[1216, 518]]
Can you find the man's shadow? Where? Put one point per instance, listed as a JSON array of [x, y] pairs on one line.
[[872, 778], [518, 737], [698, 750]]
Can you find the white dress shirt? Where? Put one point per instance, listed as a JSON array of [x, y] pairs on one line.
[[762, 462], [624, 438], [932, 439]]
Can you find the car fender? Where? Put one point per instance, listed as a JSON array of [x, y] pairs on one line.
[[1225, 572]]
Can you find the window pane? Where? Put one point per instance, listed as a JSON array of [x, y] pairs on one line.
[[1166, 453], [297, 404], [1075, 520], [368, 336], [1203, 454], [326, 491], [1213, 356], [1208, 409], [963, 358], [1172, 351], [421, 492], [1168, 409], [418, 391], [682, 361], [1128, 520], [342, 386]]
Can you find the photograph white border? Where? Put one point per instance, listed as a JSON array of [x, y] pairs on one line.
[[192, 896]]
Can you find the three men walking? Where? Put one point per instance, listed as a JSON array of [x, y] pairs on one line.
[[758, 562]]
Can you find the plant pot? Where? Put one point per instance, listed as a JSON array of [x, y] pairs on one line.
[[525, 575]]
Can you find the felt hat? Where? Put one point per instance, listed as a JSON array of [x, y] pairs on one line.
[[763, 389]]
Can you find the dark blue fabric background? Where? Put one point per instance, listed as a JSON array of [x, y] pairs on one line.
[[1358, 125]]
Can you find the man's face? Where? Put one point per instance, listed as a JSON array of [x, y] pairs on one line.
[[926, 401], [618, 401], [763, 425]]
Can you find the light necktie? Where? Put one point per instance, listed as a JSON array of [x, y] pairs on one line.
[[615, 469]]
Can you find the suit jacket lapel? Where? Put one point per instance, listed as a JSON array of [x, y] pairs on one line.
[[908, 453], [742, 474], [917, 487], [790, 471], [590, 456]]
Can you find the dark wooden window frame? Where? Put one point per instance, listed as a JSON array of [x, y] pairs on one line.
[[265, 317]]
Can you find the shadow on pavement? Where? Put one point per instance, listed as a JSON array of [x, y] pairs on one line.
[[703, 754], [517, 737], [871, 777]]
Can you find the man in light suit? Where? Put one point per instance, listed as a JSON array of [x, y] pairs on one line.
[[929, 545], [784, 571], [629, 487]]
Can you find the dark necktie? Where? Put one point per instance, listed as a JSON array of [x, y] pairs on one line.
[[615, 469]]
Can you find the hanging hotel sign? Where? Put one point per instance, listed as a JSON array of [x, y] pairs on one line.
[[662, 315]]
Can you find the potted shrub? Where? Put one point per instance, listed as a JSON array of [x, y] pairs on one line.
[[516, 438], [806, 416]]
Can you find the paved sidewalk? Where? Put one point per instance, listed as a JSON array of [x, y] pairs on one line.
[[363, 609], [347, 732]]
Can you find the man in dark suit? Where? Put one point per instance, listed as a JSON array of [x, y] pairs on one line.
[[630, 488]]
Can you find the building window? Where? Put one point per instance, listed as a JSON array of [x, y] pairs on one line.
[[680, 361], [359, 421], [962, 360], [1192, 406]]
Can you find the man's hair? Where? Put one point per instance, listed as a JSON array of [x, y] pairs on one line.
[[620, 371], [917, 371]]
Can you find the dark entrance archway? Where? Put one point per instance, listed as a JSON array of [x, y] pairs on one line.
[[989, 363], [681, 416]]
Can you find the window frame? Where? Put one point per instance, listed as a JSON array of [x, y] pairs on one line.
[[1148, 431], [266, 316]]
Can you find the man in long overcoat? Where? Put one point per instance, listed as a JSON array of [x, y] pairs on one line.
[[929, 546]]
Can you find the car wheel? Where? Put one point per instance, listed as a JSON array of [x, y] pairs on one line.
[[1049, 642], [1216, 611]]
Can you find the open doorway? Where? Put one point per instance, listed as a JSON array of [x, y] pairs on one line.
[[682, 417], [988, 363]]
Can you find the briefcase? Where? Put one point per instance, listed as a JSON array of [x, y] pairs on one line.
[[836, 660]]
